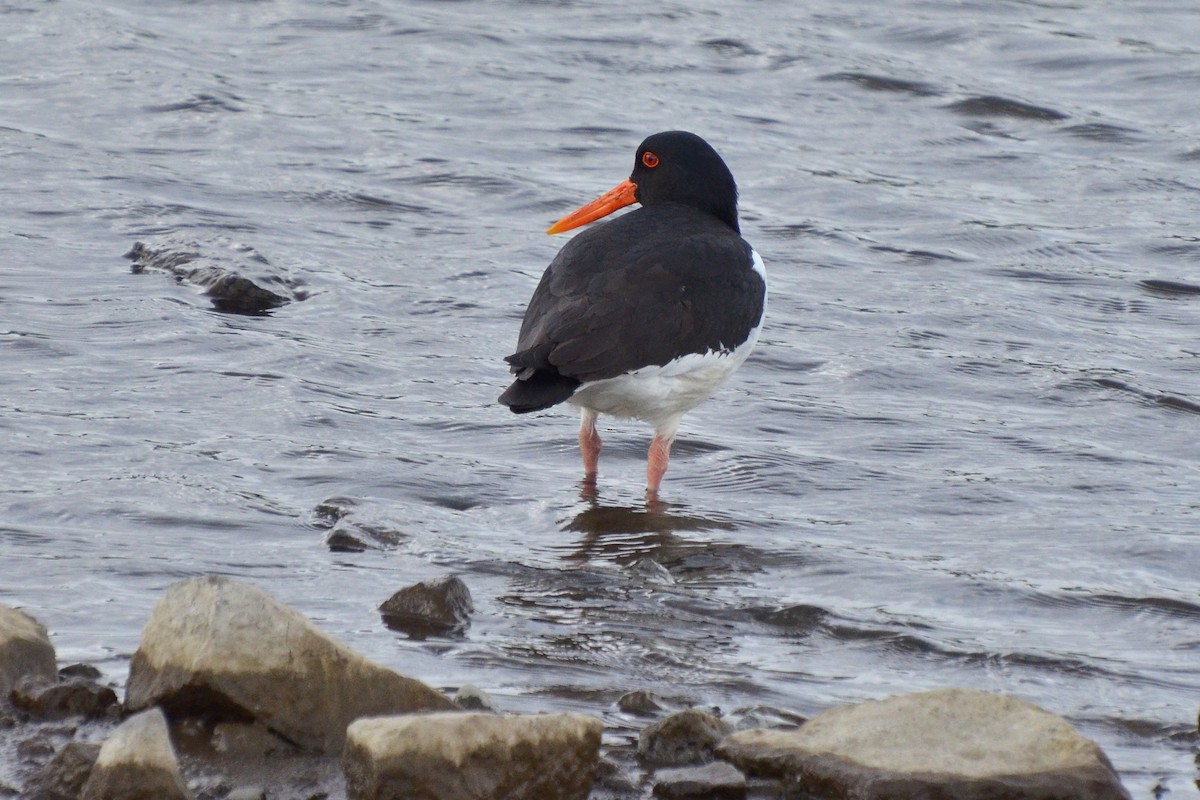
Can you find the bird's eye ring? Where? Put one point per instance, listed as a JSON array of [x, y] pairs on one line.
[[649, 159]]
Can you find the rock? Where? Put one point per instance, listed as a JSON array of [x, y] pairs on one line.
[[219, 267], [342, 540], [639, 702], [85, 671], [472, 698], [137, 762], [246, 740], [223, 648], [946, 743], [64, 776], [358, 537], [429, 608], [715, 781], [247, 793], [75, 696], [762, 716], [36, 749], [686, 737], [25, 649], [615, 780], [472, 757]]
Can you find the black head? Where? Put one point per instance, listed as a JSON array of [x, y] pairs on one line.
[[680, 167]]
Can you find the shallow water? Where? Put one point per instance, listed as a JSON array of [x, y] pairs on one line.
[[966, 451]]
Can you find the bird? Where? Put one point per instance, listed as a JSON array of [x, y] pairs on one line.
[[644, 315]]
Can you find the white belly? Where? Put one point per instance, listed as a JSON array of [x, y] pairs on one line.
[[661, 395]]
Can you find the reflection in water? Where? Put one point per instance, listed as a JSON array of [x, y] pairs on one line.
[[626, 533]]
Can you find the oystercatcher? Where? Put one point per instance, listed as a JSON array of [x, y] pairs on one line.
[[645, 315]]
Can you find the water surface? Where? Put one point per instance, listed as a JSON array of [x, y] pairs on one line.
[[966, 451]]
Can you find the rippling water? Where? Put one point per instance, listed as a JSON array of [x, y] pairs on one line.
[[966, 452]]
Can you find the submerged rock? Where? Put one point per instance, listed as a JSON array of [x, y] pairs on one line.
[[65, 774], [715, 781], [431, 607], [472, 757], [946, 743], [686, 737], [25, 649], [226, 649], [235, 277], [137, 762]]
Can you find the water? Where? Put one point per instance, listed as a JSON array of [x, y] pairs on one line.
[[966, 451]]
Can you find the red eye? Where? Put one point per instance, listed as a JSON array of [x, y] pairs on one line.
[[649, 159]]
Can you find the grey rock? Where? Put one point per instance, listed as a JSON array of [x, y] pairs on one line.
[[357, 537], [715, 781], [137, 762], [25, 649], [472, 698], [472, 757], [74, 696], [639, 701], [85, 671], [429, 608], [37, 749], [65, 774], [247, 793], [958, 743], [221, 647], [686, 737], [247, 740], [343, 539]]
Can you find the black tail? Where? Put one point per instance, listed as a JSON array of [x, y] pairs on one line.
[[540, 390]]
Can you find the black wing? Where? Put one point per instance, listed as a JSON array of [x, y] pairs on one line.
[[637, 291]]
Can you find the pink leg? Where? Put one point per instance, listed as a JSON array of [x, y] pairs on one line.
[[589, 444], [656, 463]]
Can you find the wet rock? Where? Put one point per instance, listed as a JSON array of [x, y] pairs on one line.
[[993, 106], [715, 781], [137, 762], [639, 702], [25, 649], [764, 717], [36, 749], [429, 608], [343, 539], [246, 740], [64, 776], [358, 537], [353, 529], [472, 698], [247, 793], [51, 699], [615, 780], [234, 276], [686, 737], [945, 743], [472, 757], [230, 651], [85, 671]]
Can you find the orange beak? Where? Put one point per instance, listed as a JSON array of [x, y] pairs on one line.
[[621, 195]]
